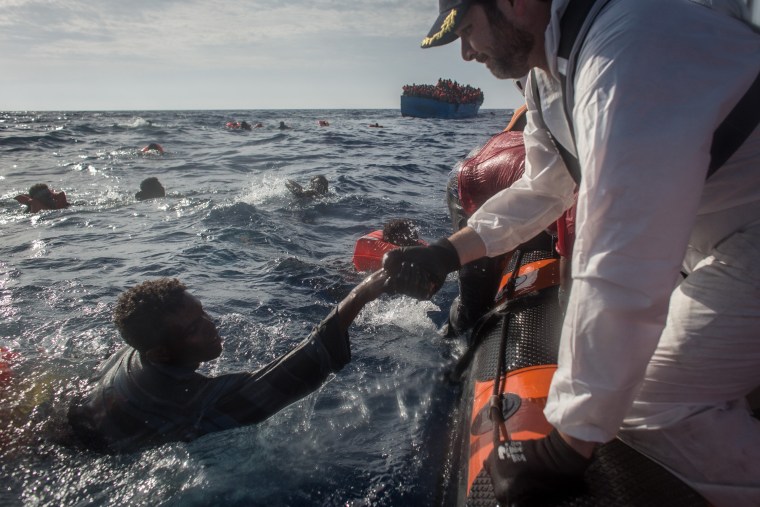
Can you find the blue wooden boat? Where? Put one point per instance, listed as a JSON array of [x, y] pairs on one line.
[[423, 107]]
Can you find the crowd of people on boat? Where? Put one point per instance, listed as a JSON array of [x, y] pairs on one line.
[[244, 125], [446, 90]]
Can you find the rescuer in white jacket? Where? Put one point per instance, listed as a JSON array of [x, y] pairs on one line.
[[666, 366]]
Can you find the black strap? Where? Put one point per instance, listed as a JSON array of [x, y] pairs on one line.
[[736, 128], [571, 161], [570, 25], [728, 137]]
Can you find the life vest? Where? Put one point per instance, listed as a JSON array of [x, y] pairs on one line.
[[36, 205], [369, 251], [244, 125], [519, 119]]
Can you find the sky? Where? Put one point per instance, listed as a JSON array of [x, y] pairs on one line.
[[222, 54]]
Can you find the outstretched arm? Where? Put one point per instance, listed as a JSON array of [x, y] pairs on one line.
[[369, 289], [252, 397], [294, 187]]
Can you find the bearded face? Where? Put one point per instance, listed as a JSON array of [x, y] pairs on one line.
[[510, 46]]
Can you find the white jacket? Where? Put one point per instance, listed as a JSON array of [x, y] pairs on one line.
[[654, 79]]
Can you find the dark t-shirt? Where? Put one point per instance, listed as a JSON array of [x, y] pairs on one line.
[[135, 402]]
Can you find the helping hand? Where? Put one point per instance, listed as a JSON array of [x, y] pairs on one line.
[[524, 467], [419, 271]]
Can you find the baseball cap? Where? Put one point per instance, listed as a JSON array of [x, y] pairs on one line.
[[450, 15]]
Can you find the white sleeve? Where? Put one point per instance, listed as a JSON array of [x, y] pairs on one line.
[[518, 213], [644, 116]]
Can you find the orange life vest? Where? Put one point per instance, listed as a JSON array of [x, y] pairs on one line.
[[369, 251], [36, 205]]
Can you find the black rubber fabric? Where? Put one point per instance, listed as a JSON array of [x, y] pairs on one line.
[[532, 336], [618, 477]]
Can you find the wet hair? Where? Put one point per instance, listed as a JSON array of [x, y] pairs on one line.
[[401, 232], [42, 193], [141, 310], [319, 184], [37, 187], [150, 188]]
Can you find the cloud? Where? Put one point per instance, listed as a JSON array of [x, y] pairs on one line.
[[78, 54], [194, 30]]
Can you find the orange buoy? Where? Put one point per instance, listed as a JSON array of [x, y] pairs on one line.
[[369, 251]]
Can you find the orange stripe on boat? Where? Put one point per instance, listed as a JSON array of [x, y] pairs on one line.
[[531, 384], [532, 277]]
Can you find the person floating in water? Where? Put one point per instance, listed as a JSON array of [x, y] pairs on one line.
[[153, 149], [318, 187], [370, 248], [150, 188], [401, 232], [41, 197], [238, 125], [283, 126], [149, 393], [323, 123]]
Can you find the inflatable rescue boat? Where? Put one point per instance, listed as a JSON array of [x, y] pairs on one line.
[[512, 357]]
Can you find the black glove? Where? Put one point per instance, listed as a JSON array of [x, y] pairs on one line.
[[419, 271], [524, 470]]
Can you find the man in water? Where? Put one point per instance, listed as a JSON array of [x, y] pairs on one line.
[[318, 187], [149, 392], [41, 197], [153, 149], [666, 366], [401, 232], [150, 188]]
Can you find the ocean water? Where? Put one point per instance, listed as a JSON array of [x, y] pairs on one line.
[[266, 266]]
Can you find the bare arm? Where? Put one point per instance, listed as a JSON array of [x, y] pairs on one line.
[[369, 289]]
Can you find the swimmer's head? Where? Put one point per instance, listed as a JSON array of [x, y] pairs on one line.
[[319, 184], [42, 193], [150, 188], [401, 232], [153, 148], [161, 320]]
